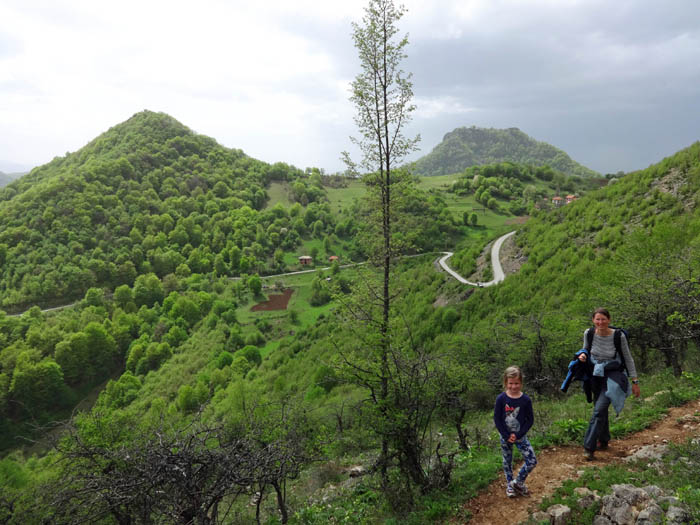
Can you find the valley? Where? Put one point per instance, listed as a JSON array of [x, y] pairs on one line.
[[171, 249]]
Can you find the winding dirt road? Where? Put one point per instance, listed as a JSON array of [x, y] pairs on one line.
[[498, 274]]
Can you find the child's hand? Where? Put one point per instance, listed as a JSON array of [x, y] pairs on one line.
[[511, 439]]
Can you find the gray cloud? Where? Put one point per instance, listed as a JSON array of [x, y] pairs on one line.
[[614, 84]]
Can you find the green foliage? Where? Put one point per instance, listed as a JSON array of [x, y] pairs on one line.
[[189, 399], [254, 284], [251, 354], [224, 359], [360, 507], [118, 394], [325, 377], [572, 429], [38, 386], [164, 225], [320, 292], [147, 195]]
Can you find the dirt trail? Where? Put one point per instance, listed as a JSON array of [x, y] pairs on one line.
[[558, 464]]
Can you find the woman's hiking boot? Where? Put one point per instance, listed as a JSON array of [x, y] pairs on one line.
[[510, 491], [589, 455], [602, 445]]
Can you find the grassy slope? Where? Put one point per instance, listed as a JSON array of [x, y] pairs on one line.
[[278, 192]]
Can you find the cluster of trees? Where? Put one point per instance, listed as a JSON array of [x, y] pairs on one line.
[[515, 188], [46, 361], [174, 470]]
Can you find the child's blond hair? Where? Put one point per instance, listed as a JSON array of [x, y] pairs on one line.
[[511, 372]]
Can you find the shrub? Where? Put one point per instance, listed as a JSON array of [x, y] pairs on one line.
[[224, 359], [252, 354]]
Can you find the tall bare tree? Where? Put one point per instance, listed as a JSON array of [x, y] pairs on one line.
[[382, 95]]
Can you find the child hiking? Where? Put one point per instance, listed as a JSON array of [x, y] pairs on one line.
[[513, 417]]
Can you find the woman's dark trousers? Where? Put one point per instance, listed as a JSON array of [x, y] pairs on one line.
[[599, 426]]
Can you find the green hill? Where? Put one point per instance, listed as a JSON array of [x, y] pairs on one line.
[[148, 195], [466, 147]]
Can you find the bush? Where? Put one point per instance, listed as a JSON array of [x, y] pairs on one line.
[[255, 339], [187, 399], [325, 377], [224, 359], [241, 366], [252, 354]]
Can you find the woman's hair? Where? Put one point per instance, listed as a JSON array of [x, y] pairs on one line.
[[602, 311], [511, 372]]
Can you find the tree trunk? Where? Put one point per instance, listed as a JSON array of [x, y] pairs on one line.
[[281, 502], [461, 434]]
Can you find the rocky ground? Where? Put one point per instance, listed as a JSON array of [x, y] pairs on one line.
[[561, 463]]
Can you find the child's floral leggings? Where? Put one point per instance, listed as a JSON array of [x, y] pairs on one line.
[[528, 454]]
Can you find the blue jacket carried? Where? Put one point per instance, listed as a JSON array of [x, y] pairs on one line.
[[579, 371]]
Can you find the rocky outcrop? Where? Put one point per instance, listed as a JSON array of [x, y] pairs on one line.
[[627, 505]]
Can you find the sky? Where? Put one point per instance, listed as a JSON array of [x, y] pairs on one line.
[[616, 85]]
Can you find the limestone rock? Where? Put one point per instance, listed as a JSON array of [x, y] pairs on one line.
[[631, 494], [586, 497], [541, 516], [653, 491], [559, 514], [356, 471], [649, 453], [652, 515], [677, 515]]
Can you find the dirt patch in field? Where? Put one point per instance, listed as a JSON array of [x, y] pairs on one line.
[[518, 220], [275, 301]]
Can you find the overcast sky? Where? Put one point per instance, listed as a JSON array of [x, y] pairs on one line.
[[615, 84]]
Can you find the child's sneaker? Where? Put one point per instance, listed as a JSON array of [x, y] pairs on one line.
[[510, 491], [520, 488]]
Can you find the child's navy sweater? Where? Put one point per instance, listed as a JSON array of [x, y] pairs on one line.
[[513, 415]]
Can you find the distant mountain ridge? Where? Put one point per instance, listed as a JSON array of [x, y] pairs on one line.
[[465, 147], [6, 178]]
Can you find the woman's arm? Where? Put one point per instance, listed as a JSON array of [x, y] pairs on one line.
[[629, 363], [629, 360]]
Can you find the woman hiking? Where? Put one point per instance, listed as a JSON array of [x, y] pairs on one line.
[[608, 355]]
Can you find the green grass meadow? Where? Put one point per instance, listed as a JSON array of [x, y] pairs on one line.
[[342, 198], [278, 192]]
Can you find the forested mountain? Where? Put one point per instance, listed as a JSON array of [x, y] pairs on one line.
[[466, 147], [148, 195]]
